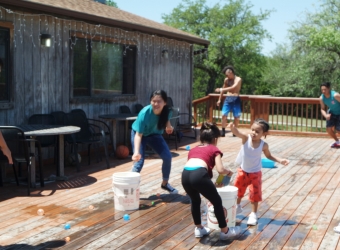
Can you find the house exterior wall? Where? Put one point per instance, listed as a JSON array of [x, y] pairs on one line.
[[41, 81]]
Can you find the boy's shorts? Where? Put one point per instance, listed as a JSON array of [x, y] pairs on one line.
[[334, 122], [253, 180], [232, 103]]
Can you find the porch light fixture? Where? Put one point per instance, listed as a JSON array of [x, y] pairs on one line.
[[45, 40], [165, 53]]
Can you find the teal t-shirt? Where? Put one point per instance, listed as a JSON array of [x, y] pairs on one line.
[[147, 121], [332, 103]]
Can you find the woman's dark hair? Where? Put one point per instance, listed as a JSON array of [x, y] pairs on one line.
[[263, 123], [228, 67], [209, 132], [326, 84], [164, 116]]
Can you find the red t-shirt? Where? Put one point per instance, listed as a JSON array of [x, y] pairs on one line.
[[206, 154]]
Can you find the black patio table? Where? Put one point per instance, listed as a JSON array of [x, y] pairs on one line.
[[34, 130]]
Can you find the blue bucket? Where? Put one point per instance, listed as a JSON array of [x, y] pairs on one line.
[[266, 163]]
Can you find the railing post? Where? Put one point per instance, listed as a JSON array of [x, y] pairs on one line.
[[195, 111], [211, 108], [252, 110], [259, 109]]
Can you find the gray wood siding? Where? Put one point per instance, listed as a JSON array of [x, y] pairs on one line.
[[41, 77]]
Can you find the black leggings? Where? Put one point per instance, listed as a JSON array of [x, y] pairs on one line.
[[196, 182]]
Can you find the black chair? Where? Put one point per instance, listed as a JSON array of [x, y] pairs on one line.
[[186, 123], [86, 135], [45, 141], [58, 117], [170, 103], [96, 122], [44, 119], [18, 144], [174, 123], [123, 109], [138, 108]]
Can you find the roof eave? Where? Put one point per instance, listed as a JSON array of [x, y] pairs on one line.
[[104, 21]]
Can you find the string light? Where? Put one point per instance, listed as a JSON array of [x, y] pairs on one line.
[[150, 45]]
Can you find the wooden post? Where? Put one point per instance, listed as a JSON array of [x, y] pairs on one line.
[[211, 108], [252, 110], [195, 112]]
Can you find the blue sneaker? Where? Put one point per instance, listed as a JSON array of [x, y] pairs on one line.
[[170, 189]]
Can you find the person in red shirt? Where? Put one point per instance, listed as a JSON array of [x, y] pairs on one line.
[[196, 180]]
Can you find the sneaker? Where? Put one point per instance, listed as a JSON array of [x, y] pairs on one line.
[[170, 189], [335, 144], [200, 232], [232, 232], [252, 220], [337, 229], [239, 209]]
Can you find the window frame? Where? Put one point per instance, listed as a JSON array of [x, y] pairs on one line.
[[108, 97], [9, 103]]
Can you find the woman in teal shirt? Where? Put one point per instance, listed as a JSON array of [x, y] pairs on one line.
[[148, 130]]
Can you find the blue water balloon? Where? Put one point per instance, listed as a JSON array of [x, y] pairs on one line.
[[126, 217]]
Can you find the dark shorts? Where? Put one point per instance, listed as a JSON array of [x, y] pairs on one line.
[[232, 103], [334, 122]]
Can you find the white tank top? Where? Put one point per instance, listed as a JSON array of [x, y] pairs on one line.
[[250, 158]]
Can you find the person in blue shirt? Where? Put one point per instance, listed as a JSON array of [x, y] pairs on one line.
[[148, 130], [331, 99]]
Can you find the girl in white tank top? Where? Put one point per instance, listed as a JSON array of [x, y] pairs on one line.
[[249, 159]]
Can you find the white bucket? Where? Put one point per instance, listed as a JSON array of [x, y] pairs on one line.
[[125, 186], [229, 198]]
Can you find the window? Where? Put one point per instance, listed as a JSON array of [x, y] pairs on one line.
[[5, 65], [101, 69]]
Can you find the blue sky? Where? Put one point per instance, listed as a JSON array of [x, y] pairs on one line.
[[286, 12]]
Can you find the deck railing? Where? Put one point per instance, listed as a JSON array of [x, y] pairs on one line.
[[286, 115]]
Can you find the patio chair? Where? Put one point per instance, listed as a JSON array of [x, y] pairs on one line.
[[170, 103], [58, 117], [86, 135], [18, 144], [138, 108], [96, 122], [45, 119], [123, 109], [186, 123], [174, 124], [45, 141]]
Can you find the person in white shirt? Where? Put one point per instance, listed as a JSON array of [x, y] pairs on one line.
[[249, 174]]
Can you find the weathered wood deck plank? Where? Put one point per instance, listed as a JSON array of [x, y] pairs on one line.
[[282, 218], [274, 189], [323, 195], [295, 198]]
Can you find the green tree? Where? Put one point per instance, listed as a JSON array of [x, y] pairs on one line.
[[312, 57], [111, 3], [236, 35]]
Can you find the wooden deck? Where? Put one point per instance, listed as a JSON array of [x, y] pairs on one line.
[[299, 210]]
